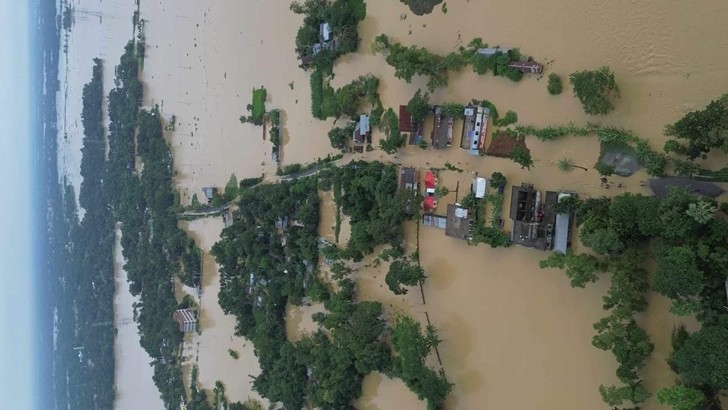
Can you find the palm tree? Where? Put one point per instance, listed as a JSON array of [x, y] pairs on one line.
[[566, 165]]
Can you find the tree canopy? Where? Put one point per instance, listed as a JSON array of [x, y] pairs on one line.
[[403, 272], [697, 132], [681, 397], [595, 88], [703, 358]]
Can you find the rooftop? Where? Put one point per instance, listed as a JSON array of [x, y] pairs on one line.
[[523, 203], [442, 130], [562, 227], [458, 222], [408, 178]]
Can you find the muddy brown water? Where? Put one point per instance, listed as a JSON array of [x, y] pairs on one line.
[[514, 336]]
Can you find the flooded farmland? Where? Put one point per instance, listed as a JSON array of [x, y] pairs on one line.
[[507, 326]]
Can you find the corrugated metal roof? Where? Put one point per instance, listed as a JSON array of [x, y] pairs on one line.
[[479, 186]]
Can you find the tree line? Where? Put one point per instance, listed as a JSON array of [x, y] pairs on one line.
[[686, 236]]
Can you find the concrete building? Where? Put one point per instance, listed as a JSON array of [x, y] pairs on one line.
[[187, 320]]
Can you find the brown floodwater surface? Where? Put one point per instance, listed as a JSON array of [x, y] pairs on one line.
[[133, 372], [514, 336]]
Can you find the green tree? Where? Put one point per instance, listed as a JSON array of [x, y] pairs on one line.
[[566, 165], [479, 63], [231, 188], [581, 268], [681, 397], [629, 343], [677, 275], [554, 86], [453, 110], [702, 211], [604, 170], [340, 136], [403, 272], [521, 156], [616, 396], [603, 241], [419, 106], [703, 359], [697, 132], [412, 348], [497, 180], [594, 88]]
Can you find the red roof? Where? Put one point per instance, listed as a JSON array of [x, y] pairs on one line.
[[429, 203], [430, 181], [405, 120]]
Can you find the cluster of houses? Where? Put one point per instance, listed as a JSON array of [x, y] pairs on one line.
[[475, 127], [535, 223]]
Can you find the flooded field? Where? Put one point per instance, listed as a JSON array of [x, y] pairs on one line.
[[133, 371], [507, 326], [210, 350]]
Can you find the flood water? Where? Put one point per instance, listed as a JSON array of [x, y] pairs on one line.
[[133, 371], [507, 326]]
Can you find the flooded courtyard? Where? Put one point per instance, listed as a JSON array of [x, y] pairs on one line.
[[514, 336]]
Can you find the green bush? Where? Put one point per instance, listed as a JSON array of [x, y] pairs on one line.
[[258, 110], [511, 117], [521, 156], [554, 86], [317, 94], [497, 180]]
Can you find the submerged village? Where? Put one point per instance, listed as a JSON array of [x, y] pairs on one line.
[[384, 230]]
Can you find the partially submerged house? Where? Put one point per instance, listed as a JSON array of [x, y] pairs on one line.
[[209, 193], [459, 222], [362, 132], [438, 221], [186, 319], [562, 228], [525, 212], [528, 67], [430, 183], [409, 178], [491, 51], [474, 129], [325, 32], [480, 187], [429, 203], [407, 125], [442, 129]]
